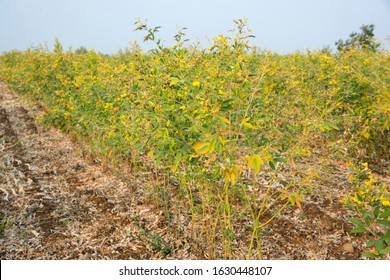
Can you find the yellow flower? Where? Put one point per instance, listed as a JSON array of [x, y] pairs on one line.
[[385, 202], [356, 199], [196, 83]]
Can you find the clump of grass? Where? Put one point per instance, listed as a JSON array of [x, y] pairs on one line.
[[3, 224], [157, 243]]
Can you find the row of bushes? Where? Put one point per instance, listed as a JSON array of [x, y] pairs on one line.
[[214, 118]]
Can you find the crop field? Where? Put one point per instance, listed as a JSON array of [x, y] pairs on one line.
[[245, 153]]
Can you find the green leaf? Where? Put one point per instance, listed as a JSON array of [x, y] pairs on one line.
[[174, 81], [386, 237], [358, 229], [386, 240], [225, 120], [384, 222], [367, 215], [356, 222], [250, 161], [385, 214], [385, 251], [212, 145], [176, 166], [371, 243], [271, 164], [370, 255], [257, 163], [245, 123], [278, 159], [376, 212], [330, 125], [367, 220], [379, 245], [202, 148], [227, 104], [248, 125]]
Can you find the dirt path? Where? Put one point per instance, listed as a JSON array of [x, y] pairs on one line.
[[55, 204]]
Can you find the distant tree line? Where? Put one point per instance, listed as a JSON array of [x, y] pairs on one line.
[[363, 40]]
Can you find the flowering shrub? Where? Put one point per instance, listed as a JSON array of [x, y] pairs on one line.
[[216, 119], [371, 201]]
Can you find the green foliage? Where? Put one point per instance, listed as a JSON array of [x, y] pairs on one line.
[[81, 50], [363, 40], [371, 201], [3, 225], [157, 243], [58, 47], [214, 119]]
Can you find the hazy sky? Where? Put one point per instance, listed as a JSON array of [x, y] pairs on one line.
[[107, 25]]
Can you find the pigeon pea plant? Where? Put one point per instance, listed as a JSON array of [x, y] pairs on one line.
[[222, 131], [371, 202]]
